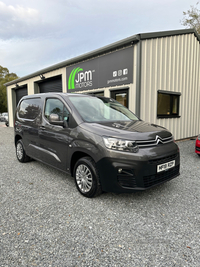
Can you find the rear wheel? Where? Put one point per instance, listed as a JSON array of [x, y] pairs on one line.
[[87, 178], [20, 152]]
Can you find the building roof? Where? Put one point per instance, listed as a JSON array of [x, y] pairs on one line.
[[106, 49]]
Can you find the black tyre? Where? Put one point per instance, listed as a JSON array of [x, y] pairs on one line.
[[87, 178], [20, 152]]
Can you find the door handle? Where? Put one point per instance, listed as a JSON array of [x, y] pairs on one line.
[[42, 127]]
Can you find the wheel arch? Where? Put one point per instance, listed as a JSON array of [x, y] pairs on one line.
[[75, 157], [17, 138]]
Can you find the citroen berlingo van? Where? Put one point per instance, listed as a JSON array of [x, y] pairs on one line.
[[101, 143]]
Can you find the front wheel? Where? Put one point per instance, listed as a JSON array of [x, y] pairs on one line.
[[87, 178], [20, 152]]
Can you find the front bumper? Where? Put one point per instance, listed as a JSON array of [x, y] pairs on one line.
[[129, 175]]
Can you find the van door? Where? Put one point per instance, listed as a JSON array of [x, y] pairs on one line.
[[54, 139], [29, 116]]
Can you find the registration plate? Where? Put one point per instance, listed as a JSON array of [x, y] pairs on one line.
[[166, 166]]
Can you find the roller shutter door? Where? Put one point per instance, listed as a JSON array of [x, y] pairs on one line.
[[51, 85], [22, 91]]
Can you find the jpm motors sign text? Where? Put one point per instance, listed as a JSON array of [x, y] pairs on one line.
[[112, 69]]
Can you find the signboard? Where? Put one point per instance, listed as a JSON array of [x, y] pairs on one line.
[[109, 70]]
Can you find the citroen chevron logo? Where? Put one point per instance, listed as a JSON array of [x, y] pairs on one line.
[[71, 81], [158, 139]]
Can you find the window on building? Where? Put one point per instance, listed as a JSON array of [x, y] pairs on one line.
[[168, 104], [121, 96]]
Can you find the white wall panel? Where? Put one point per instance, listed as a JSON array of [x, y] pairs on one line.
[[172, 64]]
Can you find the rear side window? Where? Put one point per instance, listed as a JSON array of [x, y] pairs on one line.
[[30, 108]]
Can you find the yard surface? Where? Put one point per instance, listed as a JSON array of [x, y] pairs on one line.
[[44, 221]]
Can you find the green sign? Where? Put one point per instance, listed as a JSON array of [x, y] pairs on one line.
[[71, 80]]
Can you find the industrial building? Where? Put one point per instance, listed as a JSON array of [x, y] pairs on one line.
[[156, 75]]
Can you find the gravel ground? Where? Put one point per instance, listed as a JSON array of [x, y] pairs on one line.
[[44, 221]]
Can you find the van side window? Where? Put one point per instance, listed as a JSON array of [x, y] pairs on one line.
[[55, 106], [30, 108]]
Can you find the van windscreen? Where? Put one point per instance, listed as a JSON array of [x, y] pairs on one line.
[[96, 109]]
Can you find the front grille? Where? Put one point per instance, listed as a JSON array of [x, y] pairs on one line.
[[154, 142], [197, 148], [127, 179], [163, 160], [160, 177]]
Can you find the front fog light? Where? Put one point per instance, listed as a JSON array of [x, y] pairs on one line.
[[119, 170], [121, 145]]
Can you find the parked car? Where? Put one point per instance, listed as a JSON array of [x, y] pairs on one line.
[[102, 144], [197, 145], [4, 116]]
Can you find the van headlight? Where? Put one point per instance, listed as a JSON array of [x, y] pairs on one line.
[[120, 144]]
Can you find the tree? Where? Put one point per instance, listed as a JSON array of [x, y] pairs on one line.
[[5, 77], [192, 18]]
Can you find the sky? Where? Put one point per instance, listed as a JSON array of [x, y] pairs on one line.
[[35, 34]]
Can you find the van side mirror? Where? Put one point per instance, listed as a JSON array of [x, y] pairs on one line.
[[54, 119]]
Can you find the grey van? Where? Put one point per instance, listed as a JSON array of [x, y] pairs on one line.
[[102, 144]]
